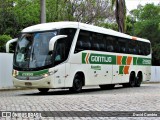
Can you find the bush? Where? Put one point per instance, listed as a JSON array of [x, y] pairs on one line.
[[3, 41]]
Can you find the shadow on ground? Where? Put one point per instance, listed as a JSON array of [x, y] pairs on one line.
[[67, 92]]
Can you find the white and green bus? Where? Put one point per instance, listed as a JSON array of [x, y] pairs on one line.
[[72, 55]]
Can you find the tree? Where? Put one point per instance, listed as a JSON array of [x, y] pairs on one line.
[[130, 21], [147, 26], [120, 13], [3, 41], [7, 21], [87, 11]]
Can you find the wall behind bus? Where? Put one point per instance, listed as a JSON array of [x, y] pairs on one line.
[[6, 60], [155, 74]]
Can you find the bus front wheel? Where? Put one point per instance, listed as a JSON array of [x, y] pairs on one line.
[[77, 84], [43, 90]]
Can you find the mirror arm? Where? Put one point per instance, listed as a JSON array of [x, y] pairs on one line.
[[9, 42], [53, 40]]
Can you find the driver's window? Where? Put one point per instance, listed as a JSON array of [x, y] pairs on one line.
[[60, 51]]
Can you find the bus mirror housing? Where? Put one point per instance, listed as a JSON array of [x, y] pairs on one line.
[[9, 42], [53, 41]]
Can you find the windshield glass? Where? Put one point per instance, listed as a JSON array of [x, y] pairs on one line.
[[32, 50]]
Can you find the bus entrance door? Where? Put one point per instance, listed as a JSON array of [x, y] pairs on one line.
[[59, 73]]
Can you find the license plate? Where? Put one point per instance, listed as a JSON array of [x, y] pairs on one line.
[[28, 83]]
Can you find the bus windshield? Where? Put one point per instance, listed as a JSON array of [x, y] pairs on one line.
[[32, 50]]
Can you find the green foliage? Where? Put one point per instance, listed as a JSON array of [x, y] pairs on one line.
[[112, 26], [147, 26], [130, 25], [3, 41], [17, 14]]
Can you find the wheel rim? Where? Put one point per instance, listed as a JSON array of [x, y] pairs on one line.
[[77, 84], [139, 80]]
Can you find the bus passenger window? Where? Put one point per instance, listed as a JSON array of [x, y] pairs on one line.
[[110, 44], [96, 46], [122, 45], [102, 47], [147, 48], [83, 42], [79, 46], [86, 45], [132, 47]]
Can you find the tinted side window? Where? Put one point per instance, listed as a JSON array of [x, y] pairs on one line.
[[84, 41], [148, 48], [144, 48], [132, 49], [98, 42], [111, 44], [122, 44]]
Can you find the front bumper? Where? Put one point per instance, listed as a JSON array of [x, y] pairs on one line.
[[41, 83]]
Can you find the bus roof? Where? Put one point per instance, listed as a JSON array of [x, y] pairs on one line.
[[83, 26]]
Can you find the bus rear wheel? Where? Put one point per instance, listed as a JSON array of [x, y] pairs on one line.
[[138, 80], [77, 84], [43, 90]]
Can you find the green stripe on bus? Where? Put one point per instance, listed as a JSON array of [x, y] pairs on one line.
[[134, 60], [144, 61], [93, 58], [32, 73], [121, 69], [124, 58], [83, 57]]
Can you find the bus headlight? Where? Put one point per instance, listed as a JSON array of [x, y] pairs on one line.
[[14, 73], [45, 75]]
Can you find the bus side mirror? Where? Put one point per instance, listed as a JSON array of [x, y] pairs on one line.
[[53, 41], [9, 42]]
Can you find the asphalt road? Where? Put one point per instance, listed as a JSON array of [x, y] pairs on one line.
[[144, 98]]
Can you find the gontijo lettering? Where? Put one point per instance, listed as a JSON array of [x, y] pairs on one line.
[[92, 58], [101, 59]]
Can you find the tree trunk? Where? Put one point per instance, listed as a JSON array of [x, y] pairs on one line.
[[120, 15]]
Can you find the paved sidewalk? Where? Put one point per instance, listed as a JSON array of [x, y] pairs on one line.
[[144, 98]]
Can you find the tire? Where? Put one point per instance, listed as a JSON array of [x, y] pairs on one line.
[[138, 80], [77, 84], [107, 87], [43, 90], [132, 80]]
